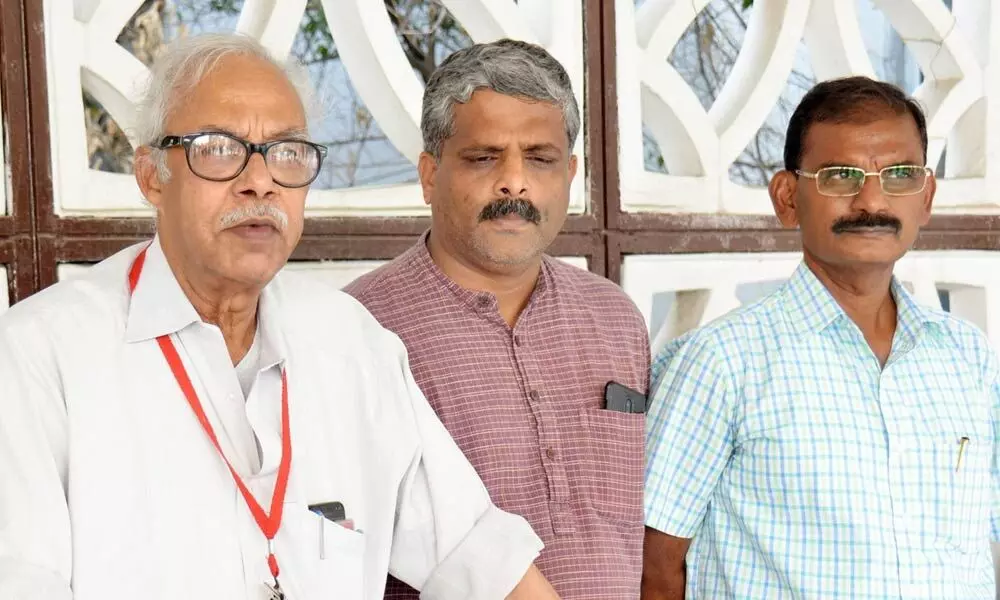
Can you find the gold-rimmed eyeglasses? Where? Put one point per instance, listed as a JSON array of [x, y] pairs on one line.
[[897, 180]]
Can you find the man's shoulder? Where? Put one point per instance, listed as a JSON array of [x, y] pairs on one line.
[[585, 288], [96, 298], [964, 340], [748, 330], [387, 280], [304, 297]]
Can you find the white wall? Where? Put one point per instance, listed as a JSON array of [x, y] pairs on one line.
[[953, 50]]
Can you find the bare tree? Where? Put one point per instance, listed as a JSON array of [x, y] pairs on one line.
[[108, 147], [360, 153], [704, 57]]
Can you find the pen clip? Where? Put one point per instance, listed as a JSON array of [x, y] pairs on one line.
[[962, 441]]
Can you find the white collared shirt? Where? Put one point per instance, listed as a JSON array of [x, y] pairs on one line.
[[109, 487]]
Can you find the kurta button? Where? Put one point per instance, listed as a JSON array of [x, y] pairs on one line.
[[534, 396], [551, 453], [517, 340]]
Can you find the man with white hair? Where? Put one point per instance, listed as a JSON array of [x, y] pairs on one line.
[[182, 422]]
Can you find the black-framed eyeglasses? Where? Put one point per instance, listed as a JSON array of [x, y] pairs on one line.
[[897, 180], [218, 156]]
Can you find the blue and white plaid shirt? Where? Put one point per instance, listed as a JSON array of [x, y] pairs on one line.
[[804, 470]]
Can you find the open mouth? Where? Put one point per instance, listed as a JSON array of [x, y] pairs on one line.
[[255, 228]]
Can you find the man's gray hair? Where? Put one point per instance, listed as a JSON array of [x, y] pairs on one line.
[[508, 67], [183, 65]]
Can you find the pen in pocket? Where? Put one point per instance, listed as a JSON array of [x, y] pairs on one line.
[[961, 450]]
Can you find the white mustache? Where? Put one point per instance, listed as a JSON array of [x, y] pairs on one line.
[[254, 211]]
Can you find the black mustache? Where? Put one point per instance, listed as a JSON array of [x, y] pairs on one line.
[[502, 207], [867, 220]]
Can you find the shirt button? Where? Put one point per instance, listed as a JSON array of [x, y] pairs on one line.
[[517, 340], [534, 396], [551, 453]]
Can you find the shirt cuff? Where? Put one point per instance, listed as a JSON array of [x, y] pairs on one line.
[[488, 563]]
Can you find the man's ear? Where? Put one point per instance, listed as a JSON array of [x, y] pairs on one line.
[[928, 204], [427, 167], [783, 190], [147, 176]]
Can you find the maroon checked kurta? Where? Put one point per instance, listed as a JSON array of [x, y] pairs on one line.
[[524, 404]]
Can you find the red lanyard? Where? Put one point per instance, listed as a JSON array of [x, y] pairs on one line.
[[268, 522]]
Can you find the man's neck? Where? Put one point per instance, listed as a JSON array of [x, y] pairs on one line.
[[866, 298], [512, 288], [228, 305]]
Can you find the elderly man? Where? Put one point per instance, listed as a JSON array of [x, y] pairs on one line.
[[517, 351], [181, 423], [835, 439]]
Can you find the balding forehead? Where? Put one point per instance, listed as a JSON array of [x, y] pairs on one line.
[[243, 96]]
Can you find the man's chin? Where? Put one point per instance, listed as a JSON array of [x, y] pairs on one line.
[[253, 269], [513, 258]]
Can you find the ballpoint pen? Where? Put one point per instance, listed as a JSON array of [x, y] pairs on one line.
[[961, 450]]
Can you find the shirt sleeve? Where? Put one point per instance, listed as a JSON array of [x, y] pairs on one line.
[[450, 541], [688, 433], [35, 544]]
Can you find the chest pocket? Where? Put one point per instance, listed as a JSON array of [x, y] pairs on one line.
[[615, 463], [319, 558], [956, 495]]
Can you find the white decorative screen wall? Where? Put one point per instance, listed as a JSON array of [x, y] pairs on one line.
[[82, 55], [953, 49]]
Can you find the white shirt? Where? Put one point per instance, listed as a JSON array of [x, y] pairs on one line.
[[109, 487]]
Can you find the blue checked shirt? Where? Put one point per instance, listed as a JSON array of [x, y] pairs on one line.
[[802, 470]]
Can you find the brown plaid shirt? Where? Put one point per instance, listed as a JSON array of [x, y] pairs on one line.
[[524, 406]]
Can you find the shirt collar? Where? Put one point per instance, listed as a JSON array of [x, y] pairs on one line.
[[159, 306], [476, 300], [272, 343], [810, 308]]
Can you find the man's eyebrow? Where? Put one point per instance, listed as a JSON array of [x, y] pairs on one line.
[[836, 163], [545, 147], [895, 163], [299, 133], [481, 148]]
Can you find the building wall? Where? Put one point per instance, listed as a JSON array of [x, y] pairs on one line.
[[661, 206]]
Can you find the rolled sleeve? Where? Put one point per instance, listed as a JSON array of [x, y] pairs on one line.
[[488, 562], [450, 541], [688, 434]]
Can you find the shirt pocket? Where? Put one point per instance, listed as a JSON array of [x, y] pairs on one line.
[[962, 497], [325, 560], [615, 463]]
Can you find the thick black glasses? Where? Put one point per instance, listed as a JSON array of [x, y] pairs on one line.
[[217, 156]]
